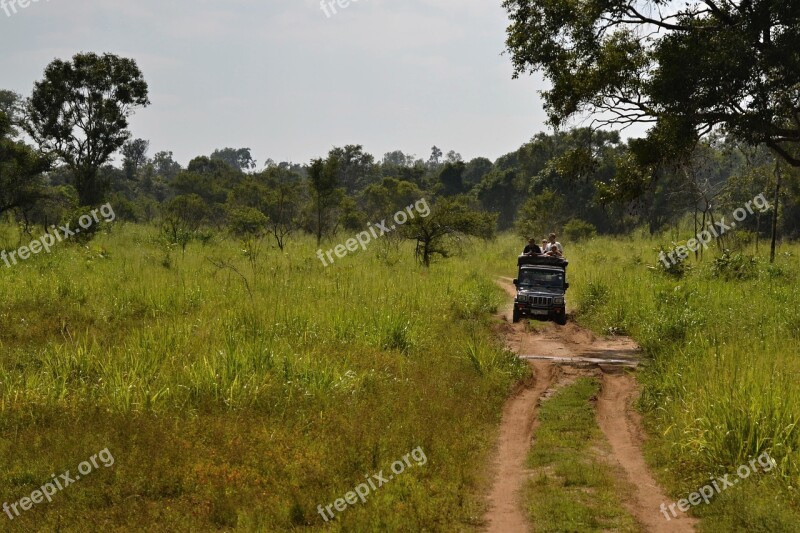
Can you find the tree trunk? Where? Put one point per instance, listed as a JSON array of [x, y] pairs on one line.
[[775, 212]]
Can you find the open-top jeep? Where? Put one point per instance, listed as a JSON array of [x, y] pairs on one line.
[[541, 287]]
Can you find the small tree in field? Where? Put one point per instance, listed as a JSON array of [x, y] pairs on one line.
[[183, 216], [325, 194], [450, 221]]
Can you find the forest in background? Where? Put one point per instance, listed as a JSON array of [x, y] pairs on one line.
[[578, 182]]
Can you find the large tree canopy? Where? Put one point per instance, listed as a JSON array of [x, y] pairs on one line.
[[79, 112], [688, 67]]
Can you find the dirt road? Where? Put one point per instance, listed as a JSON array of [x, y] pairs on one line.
[[559, 355]]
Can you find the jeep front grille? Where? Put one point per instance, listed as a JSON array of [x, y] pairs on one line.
[[540, 300]]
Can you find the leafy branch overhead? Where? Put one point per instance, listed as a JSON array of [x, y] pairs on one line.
[[686, 69]]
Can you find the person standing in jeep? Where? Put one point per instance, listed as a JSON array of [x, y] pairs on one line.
[[532, 248], [554, 243]]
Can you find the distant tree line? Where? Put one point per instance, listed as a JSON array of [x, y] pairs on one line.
[[57, 146]]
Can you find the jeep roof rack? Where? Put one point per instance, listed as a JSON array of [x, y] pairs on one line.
[[542, 260]]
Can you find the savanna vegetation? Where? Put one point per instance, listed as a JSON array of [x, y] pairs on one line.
[[240, 384]]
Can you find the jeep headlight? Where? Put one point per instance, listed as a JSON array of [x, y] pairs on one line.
[[559, 300]]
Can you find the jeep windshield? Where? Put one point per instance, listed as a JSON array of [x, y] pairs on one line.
[[541, 278]]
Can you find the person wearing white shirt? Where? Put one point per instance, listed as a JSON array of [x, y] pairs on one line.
[[554, 243]]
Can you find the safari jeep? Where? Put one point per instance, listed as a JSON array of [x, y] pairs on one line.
[[541, 287]]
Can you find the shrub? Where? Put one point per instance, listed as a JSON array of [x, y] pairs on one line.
[[677, 269], [579, 230], [247, 222], [736, 266]]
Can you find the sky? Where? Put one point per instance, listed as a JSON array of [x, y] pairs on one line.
[[289, 81]]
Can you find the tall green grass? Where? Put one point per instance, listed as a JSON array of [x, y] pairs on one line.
[[238, 388], [720, 382]]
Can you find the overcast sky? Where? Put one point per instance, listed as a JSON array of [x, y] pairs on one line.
[[286, 80]]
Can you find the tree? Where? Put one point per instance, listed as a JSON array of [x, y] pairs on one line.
[[476, 170], [325, 194], [389, 196], [450, 221], [541, 214], [436, 156], [355, 167], [134, 156], [454, 157], [686, 68], [275, 195], [452, 178], [183, 216], [21, 182], [247, 222], [282, 211], [238, 158], [501, 192], [165, 165], [10, 105], [398, 159], [79, 113]]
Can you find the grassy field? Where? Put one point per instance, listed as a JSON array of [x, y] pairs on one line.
[[241, 388]]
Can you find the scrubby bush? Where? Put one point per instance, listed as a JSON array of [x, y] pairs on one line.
[[579, 230], [735, 266], [677, 269]]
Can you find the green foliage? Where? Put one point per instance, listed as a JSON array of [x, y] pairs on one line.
[[388, 197], [701, 69], [183, 217], [579, 230], [237, 158], [323, 183], [83, 235], [675, 269], [247, 222], [354, 167], [100, 93], [541, 215], [449, 223], [735, 266], [21, 182]]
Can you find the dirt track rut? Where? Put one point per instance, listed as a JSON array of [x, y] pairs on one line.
[[558, 356]]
